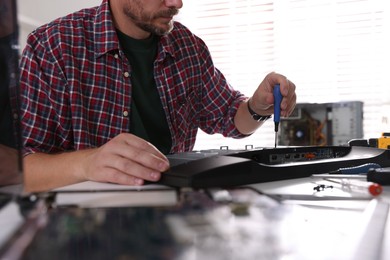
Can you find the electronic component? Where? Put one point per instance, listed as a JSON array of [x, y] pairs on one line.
[[382, 142], [254, 166], [322, 124]]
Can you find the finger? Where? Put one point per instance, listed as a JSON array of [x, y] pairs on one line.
[[115, 168], [289, 105], [106, 167], [284, 84], [289, 93], [112, 175], [263, 98], [134, 169], [292, 105], [142, 157], [141, 144], [262, 101], [290, 88], [274, 78], [136, 149]]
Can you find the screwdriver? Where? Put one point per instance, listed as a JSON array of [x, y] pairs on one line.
[[371, 172], [277, 101]]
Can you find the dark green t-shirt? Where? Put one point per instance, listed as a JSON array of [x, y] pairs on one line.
[[148, 119]]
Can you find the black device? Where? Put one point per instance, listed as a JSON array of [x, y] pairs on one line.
[[205, 169], [380, 175]]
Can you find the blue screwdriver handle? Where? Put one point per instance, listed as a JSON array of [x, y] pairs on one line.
[[360, 169], [277, 101]]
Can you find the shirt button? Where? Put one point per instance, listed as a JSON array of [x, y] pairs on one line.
[[125, 113], [116, 56], [126, 74]]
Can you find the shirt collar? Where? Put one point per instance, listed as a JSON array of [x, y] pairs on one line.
[[106, 39], [166, 42]]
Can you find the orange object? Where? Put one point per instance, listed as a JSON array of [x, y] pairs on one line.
[[384, 141], [375, 189], [358, 186]]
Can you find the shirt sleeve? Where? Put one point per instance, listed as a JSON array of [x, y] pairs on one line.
[[43, 99], [220, 100]]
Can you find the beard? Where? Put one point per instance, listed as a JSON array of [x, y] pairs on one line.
[[145, 21]]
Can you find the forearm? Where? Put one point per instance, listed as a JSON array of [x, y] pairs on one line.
[[244, 121], [48, 171]]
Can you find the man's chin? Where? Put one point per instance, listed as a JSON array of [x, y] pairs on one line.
[[164, 29], [158, 29]]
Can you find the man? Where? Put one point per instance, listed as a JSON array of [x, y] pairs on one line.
[[107, 91]]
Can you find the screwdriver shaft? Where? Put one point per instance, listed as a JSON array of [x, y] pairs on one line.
[[276, 138]]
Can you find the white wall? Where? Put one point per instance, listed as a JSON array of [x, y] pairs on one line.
[[33, 13]]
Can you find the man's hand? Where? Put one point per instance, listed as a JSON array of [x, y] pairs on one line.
[[126, 159], [262, 102], [263, 98]]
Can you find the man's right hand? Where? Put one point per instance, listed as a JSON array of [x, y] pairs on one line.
[[126, 159]]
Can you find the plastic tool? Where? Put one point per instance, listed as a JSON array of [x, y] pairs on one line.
[[277, 101], [358, 186]]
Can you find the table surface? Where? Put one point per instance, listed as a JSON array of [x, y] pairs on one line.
[[270, 220]]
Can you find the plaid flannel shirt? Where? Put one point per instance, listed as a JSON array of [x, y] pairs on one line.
[[76, 86]]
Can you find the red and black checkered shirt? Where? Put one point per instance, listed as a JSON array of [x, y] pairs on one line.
[[76, 86]]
